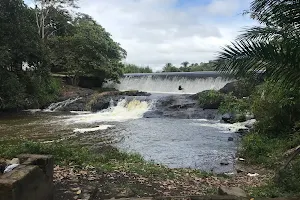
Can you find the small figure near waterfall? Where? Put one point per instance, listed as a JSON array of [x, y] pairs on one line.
[[180, 88]]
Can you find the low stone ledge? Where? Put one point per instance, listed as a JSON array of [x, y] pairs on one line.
[[31, 180]]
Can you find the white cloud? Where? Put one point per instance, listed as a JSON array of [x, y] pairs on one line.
[[155, 32]]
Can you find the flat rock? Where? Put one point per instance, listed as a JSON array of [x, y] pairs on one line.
[[232, 191]]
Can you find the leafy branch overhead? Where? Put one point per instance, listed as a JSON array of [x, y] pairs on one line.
[[272, 48]]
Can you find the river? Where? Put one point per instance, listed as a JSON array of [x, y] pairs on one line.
[[177, 143]]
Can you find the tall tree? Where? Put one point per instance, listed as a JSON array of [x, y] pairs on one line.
[[43, 9], [89, 51]]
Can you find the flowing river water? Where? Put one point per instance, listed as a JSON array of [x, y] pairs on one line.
[[194, 143]]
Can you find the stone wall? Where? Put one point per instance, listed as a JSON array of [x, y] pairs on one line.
[[31, 180]]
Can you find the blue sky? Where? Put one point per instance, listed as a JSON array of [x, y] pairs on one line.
[[155, 32]]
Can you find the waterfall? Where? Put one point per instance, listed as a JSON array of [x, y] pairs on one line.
[[56, 106], [169, 84], [123, 111]]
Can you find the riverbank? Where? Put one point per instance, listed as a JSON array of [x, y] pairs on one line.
[[87, 164], [106, 172]]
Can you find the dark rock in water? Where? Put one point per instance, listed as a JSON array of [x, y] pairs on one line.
[[224, 162], [180, 107], [227, 118], [99, 101], [230, 138], [243, 131], [231, 118], [153, 114]]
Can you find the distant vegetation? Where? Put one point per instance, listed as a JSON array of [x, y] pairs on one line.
[[131, 68], [187, 67]]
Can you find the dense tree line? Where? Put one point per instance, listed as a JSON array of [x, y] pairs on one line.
[[187, 67], [37, 41]]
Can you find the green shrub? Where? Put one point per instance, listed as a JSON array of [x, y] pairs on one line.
[[277, 109], [12, 91], [235, 105], [259, 149], [289, 178], [210, 99]]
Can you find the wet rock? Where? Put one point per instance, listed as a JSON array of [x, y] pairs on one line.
[[242, 131], [232, 191], [238, 88], [3, 165], [224, 162], [153, 114], [239, 169], [227, 117], [230, 138], [180, 107]]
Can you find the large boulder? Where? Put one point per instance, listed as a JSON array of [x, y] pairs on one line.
[[232, 191], [180, 107], [241, 88]]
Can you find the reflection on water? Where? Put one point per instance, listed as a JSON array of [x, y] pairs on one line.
[[180, 143]]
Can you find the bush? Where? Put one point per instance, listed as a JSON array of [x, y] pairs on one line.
[[289, 178], [277, 109], [260, 149], [12, 91], [210, 99], [235, 105]]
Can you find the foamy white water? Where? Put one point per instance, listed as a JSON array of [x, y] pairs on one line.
[[55, 106], [84, 130], [170, 85], [224, 127], [122, 112]]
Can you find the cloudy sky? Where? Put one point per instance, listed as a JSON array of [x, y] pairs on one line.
[[154, 32]]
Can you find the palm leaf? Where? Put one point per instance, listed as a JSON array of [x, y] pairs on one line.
[[280, 60]]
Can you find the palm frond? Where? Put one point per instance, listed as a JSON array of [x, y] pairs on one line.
[[279, 60], [276, 12], [268, 33]]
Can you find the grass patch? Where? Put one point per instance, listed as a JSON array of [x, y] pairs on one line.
[[106, 159], [269, 152]]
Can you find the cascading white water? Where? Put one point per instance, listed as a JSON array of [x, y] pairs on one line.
[[170, 85], [124, 111], [56, 106]]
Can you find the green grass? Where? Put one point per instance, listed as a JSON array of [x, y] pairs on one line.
[[269, 152], [106, 159]]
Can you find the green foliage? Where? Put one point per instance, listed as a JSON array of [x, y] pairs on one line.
[[131, 68], [261, 149], [234, 105], [12, 92], [65, 153], [210, 99], [21, 48], [90, 51], [272, 47], [187, 67], [269, 190], [289, 178], [276, 108]]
